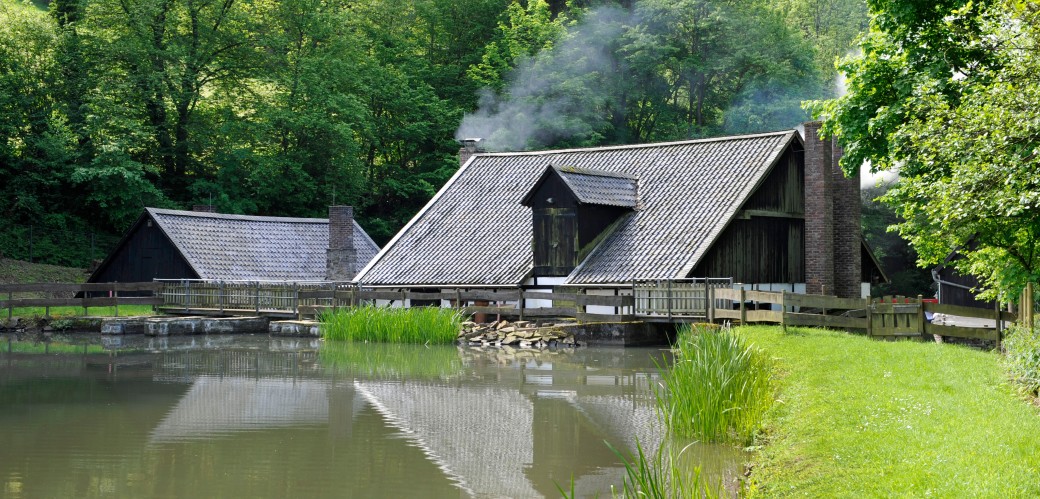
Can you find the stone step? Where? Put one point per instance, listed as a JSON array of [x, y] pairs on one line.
[[295, 328], [182, 326]]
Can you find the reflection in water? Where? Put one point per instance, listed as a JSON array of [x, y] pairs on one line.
[[253, 416]]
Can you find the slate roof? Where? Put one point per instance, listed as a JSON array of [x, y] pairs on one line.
[[594, 186], [240, 247], [475, 231]]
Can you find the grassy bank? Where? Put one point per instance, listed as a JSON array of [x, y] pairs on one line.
[[392, 325], [19, 272], [63, 312], [859, 417]]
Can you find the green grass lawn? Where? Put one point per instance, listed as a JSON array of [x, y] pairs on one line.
[[59, 312], [857, 417]]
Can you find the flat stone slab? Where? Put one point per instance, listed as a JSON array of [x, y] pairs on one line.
[[127, 325], [295, 328], [182, 326]]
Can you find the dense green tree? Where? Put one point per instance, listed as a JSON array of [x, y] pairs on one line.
[[281, 108], [948, 96]]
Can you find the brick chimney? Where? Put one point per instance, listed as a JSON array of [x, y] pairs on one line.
[[848, 257], [819, 212], [341, 260], [468, 149], [204, 208]]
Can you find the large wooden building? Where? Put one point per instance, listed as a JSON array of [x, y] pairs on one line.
[[174, 244], [771, 211]]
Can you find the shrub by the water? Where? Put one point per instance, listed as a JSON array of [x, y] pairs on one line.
[[718, 388], [392, 325], [1022, 357]]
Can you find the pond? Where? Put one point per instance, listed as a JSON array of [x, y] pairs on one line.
[[253, 416]]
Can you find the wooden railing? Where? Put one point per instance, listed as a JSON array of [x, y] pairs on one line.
[[676, 298], [310, 298], [78, 295], [256, 297]]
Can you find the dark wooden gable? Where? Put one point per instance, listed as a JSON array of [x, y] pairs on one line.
[[144, 253], [765, 241], [564, 228]]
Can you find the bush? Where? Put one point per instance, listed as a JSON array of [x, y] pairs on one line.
[[392, 325], [718, 389], [1022, 357]]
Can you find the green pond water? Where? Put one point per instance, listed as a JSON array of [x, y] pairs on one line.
[[252, 416]]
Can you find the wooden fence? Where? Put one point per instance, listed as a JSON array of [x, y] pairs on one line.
[[676, 298], [78, 295], [877, 317]]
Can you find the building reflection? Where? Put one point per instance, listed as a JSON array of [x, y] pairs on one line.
[[482, 422]]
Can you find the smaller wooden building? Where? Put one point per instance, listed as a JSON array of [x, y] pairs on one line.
[[175, 244]]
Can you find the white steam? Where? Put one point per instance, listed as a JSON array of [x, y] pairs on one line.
[[555, 95]]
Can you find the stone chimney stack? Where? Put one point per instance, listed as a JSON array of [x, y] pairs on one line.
[[819, 212], [204, 208], [468, 149], [341, 261], [848, 256]]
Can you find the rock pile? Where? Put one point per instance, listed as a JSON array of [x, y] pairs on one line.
[[521, 334]]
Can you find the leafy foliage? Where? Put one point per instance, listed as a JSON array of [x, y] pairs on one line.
[[282, 108], [898, 258], [1022, 357], [948, 96]]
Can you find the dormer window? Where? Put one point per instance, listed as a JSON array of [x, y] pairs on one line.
[[571, 208]]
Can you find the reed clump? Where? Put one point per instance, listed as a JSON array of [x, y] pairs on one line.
[[718, 389], [392, 325]]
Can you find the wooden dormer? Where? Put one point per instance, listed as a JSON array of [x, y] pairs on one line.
[[571, 207]]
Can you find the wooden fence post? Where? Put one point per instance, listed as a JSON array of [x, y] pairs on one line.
[[187, 294], [743, 309], [256, 295], [920, 314], [668, 299], [1000, 325], [869, 309], [709, 303], [783, 311], [520, 301], [10, 304], [1025, 309], [115, 294], [220, 296]]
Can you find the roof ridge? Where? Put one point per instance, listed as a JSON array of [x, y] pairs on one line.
[[645, 145], [230, 216], [592, 172]]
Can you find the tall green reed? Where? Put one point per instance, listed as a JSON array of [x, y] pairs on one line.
[[663, 475], [718, 389], [392, 325]]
